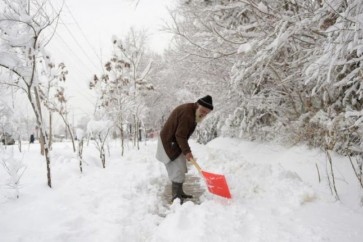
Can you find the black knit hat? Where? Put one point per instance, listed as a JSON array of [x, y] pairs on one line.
[[206, 102]]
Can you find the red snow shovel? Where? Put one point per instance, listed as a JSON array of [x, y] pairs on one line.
[[216, 183]]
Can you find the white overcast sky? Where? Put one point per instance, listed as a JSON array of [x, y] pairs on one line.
[[84, 34]]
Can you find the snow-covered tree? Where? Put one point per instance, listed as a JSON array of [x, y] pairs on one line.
[[15, 168], [23, 25], [204, 51], [114, 96], [55, 99], [99, 131], [81, 135], [123, 85], [6, 117], [336, 74], [269, 52], [132, 49]]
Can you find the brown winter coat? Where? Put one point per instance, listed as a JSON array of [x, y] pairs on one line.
[[177, 130]]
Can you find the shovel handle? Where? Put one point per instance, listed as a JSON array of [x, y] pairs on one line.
[[196, 165]]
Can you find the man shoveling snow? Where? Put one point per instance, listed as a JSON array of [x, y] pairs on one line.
[[173, 148]]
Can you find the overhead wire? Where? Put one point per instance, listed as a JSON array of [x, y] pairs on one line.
[[74, 53], [65, 44], [75, 40], [83, 34], [70, 51]]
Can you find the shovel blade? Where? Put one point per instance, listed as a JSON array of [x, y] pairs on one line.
[[217, 184]]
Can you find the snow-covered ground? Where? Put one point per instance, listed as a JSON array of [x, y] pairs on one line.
[[276, 193]]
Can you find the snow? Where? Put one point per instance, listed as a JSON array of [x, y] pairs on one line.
[[276, 196], [262, 7], [100, 126], [8, 59], [244, 48]]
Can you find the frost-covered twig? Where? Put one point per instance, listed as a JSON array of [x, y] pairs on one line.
[[99, 130], [15, 168], [358, 173], [317, 168], [332, 181]]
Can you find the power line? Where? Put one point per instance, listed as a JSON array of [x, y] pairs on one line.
[[70, 49], [87, 98], [74, 54], [83, 34], [76, 41]]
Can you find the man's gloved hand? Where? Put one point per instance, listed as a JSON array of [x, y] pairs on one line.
[[189, 156]]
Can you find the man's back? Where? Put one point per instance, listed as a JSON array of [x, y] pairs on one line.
[[177, 129]]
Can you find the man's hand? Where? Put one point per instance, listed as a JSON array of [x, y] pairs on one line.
[[189, 156]]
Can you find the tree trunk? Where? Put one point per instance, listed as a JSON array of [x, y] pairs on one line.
[[38, 111], [19, 144], [45, 149], [122, 139], [68, 128], [43, 140], [140, 134], [50, 130], [72, 137], [80, 153], [136, 132], [103, 156], [47, 158]]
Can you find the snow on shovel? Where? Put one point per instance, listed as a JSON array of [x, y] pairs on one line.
[[216, 183]]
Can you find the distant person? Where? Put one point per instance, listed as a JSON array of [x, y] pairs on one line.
[[173, 148], [32, 139]]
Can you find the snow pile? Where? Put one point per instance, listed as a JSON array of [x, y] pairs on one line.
[[276, 197], [270, 182]]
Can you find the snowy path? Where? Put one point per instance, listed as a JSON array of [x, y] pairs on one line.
[[276, 198], [192, 185]]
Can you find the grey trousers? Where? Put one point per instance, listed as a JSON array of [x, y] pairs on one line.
[[177, 168]]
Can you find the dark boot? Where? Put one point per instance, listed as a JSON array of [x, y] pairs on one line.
[[176, 191]]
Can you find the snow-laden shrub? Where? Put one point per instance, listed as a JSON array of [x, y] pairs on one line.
[[98, 131], [15, 168], [252, 123], [207, 130]]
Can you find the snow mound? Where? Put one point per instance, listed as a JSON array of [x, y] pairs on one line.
[[263, 182]]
